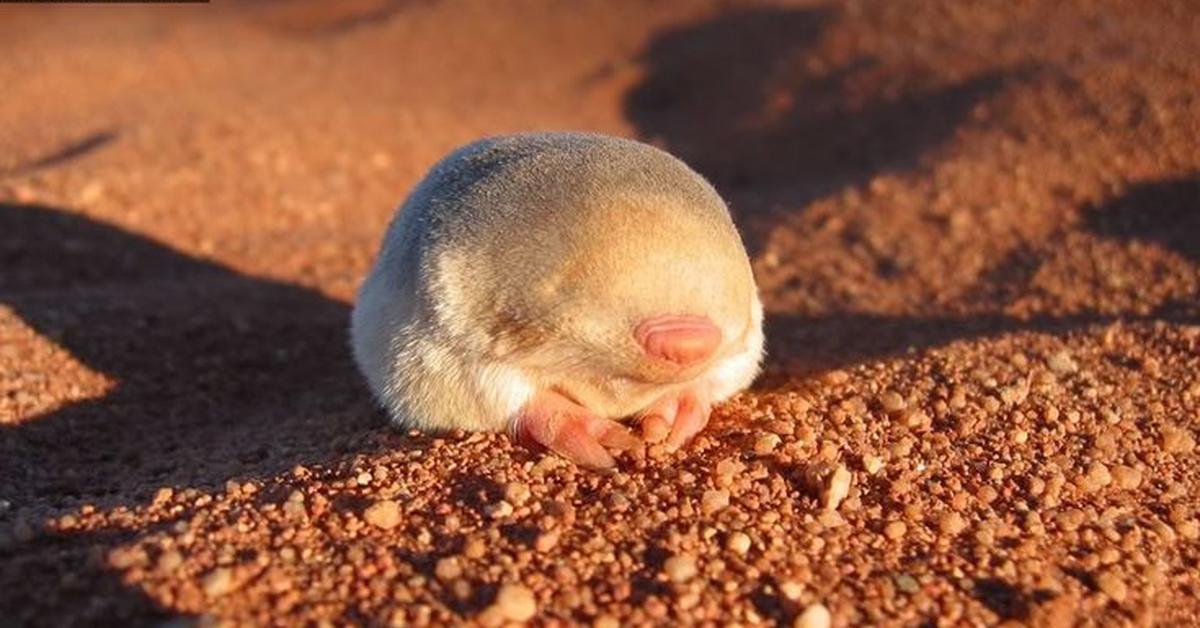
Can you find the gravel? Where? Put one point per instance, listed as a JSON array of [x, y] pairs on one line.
[[383, 514], [973, 243]]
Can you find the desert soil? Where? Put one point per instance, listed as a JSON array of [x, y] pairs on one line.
[[976, 229]]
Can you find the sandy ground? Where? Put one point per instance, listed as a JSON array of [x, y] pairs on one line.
[[976, 227]]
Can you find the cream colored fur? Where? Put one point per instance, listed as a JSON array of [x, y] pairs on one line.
[[524, 262]]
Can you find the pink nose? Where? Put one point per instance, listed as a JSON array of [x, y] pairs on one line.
[[681, 339]]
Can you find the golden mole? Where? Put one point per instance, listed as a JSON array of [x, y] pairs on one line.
[[554, 285]]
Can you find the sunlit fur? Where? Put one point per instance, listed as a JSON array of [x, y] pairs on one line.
[[524, 262]]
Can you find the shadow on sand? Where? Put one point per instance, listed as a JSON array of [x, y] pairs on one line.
[[217, 375], [736, 98]]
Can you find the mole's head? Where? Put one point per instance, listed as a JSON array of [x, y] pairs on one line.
[[649, 291]]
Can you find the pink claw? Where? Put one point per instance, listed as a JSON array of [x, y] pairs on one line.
[[572, 431], [676, 419]]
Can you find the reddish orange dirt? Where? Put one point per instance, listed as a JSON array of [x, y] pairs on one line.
[[976, 228]]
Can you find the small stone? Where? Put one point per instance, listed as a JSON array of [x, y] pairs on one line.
[[894, 529], [363, 479], [714, 501], [892, 402], [1177, 441], [837, 489], [383, 514], [606, 621], [516, 603], [516, 493], [1062, 362], [126, 557], [294, 506], [815, 616], [1070, 520], [791, 589], [218, 582], [475, 548], [169, 561], [163, 495], [498, 510], [907, 583], [546, 541], [738, 542], [1112, 585], [872, 464], [728, 468], [1095, 478], [1126, 477], [680, 568], [917, 420], [766, 443], [447, 569], [951, 523]]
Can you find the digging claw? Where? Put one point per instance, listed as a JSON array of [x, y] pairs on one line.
[[572, 431]]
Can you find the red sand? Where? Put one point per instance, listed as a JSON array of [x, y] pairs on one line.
[[976, 227]]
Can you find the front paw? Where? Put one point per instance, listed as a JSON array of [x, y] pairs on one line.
[[572, 431], [676, 418]]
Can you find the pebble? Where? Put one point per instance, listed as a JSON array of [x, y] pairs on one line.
[[218, 582], [447, 569], [163, 495], [714, 501], [680, 568], [1126, 477], [791, 589], [475, 548], [815, 616], [383, 514], [498, 510], [892, 402], [872, 464], [837, 489], [546, 541], [169, 561], [738, 542], [1062, 362], [766, 443], [894, 529], [515, 603], [606, 621], [907, 583], [516, 493], [1112, 585], [951, 523], [1177, 441], [728, 468], [1095, 478]]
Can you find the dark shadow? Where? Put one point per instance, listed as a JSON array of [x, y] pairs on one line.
[[1007, 600], [67, 153], [1166, 213], [743, 98], [217, 375], [734, 97]]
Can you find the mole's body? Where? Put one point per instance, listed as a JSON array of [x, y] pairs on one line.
[[552, 284]]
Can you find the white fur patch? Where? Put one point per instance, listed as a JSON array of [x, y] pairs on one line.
[[733, 374], [504, 388]]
